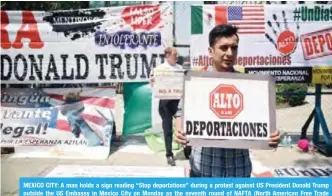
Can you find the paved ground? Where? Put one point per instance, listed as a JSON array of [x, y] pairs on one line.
[[288, 119], [14, 168]]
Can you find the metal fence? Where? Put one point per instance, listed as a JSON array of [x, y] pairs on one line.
[[291, 119]]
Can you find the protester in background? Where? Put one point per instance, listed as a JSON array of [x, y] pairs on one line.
[[168, 108], [220, 162]]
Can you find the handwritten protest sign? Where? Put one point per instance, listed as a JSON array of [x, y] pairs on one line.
[[228, 110], [168, 84]]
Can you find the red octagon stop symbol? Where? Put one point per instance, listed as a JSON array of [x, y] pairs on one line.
[[226, 101]]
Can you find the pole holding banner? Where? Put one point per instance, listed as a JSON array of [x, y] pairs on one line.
[[318, 116]]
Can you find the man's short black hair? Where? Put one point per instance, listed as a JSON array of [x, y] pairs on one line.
[[223, 30]]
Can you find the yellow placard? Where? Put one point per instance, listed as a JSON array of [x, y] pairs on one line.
[[322, 75]]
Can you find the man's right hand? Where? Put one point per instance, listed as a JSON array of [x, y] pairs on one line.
[[179, 135]]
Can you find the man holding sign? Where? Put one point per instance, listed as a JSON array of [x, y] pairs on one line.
[[168, 108], [212, 161]]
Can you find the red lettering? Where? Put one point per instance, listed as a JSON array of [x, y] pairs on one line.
[[5, 43], [315, 44], [200, 62], [321, 42], [308, 47], [328, 38], [29, 30]]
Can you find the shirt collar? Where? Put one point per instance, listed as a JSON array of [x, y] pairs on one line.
[[169, 64]]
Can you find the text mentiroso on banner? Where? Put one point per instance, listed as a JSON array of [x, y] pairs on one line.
[[120, 44]]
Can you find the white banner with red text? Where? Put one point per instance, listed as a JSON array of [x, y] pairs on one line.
[[287, 41], [116, 44]]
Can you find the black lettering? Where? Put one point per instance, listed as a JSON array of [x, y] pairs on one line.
[[240, 129], [223, 125], [209, 128], [30, 130], [117, 66], [64, 71], [229, 129], [34, 65], [25, 67], [245, 129], [291, 171], [189, 128], [45, 128], [79, 76], [253, 130], [52, 68], [202, 127], [216, 128], [9, 63], [7, 130], [196, 124], [329, 170], [148, 66], [130, 75], [101, 58], [264, 130], [18, 132], [235, 129], [306, 172], [320, 172], [162, 58], [259, 130]]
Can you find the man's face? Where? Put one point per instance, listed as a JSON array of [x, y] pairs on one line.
[[172, 58], [224, 52]]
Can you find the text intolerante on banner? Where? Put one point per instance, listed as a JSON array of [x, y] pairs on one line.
[[227, 129], [77, 67]]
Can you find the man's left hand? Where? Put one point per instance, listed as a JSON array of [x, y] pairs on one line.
[[274, 139]]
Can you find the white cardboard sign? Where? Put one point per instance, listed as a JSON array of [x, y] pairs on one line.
[[229, 110], [168, 84]]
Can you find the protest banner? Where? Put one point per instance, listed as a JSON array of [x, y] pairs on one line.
[[227, 102], [57, 117], [168, 84], [303, 172], [115, 44], [116, 171], [292, 42]]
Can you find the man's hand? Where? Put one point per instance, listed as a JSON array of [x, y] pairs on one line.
[[179, 136], [274, 139]]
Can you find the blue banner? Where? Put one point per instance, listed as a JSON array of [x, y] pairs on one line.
[[175, 186]]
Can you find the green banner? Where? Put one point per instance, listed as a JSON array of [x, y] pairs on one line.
[[137, 105]]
